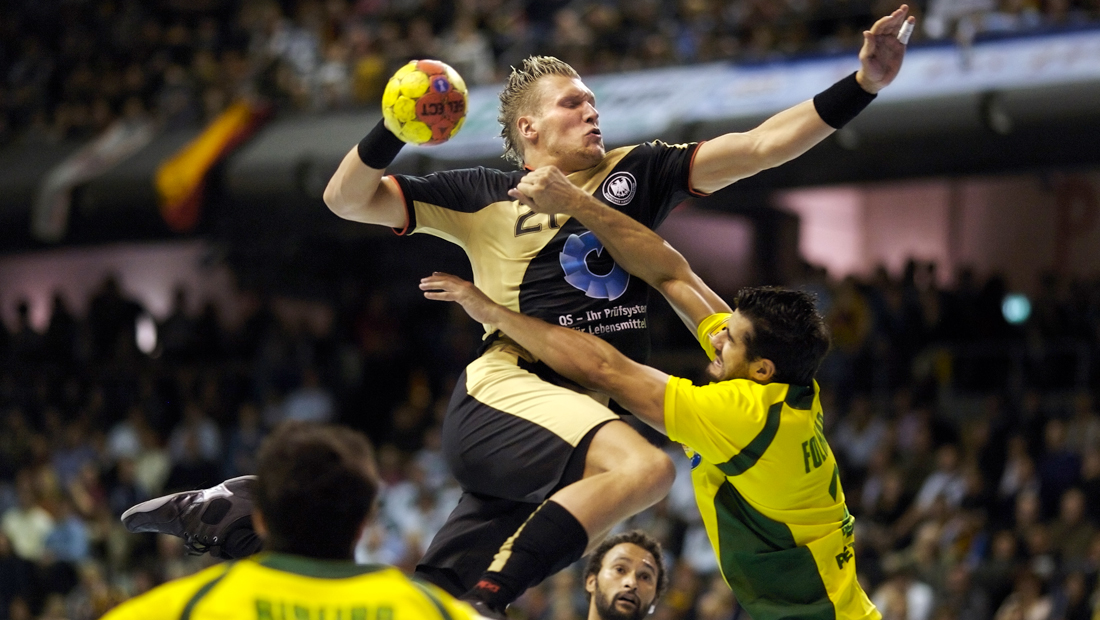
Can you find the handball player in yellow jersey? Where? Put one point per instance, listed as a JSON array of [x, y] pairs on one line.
[[766, 482], [307, 472]]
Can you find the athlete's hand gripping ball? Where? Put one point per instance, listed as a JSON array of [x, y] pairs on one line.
[[424, 102]]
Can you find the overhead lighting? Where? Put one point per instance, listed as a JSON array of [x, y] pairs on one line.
[[145, 333], [1016, 308]]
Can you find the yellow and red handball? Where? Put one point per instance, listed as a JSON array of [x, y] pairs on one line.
[[425, 102]]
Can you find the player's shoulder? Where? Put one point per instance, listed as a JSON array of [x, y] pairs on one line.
[[412, 597], [477, 174], [202, 577], [169, 599], [662, 145], [448, 606], [746, 392], [767, 395], [653, 145], [461, 189], [648, 154]]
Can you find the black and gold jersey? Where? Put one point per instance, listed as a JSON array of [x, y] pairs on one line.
[[550, 266]]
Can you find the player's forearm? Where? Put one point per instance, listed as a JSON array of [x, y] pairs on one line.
[[789, 134], [634, 247], [591, 362], [734, 156], [645, 254], [577, 356]]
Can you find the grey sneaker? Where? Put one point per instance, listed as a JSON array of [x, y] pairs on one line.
[[202, 518]]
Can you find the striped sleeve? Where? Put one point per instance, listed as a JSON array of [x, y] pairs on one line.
[[716, 420]]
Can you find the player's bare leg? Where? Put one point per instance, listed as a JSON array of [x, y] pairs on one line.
[[623, 475]]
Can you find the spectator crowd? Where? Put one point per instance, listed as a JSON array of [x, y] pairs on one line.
[[969, 446], [72, 67]]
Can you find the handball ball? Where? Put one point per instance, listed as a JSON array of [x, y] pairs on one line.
[[424, 102]]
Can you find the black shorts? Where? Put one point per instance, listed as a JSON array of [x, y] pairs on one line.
[[512, 439]]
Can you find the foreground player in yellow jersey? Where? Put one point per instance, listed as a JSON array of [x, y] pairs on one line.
[[307, 472], [766, 482]]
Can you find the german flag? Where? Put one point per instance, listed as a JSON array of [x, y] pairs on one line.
[[181, 180]]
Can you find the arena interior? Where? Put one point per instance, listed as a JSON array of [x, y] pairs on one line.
[[172, 285]]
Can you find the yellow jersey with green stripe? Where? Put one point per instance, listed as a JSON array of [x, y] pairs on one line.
[[768, 487], [273, 586]]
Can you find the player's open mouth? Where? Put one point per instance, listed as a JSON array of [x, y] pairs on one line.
[[629, 599]]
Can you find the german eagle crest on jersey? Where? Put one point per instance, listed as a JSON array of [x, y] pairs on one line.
[[619, 188]]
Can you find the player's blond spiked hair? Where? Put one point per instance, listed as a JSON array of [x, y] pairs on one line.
[[518, 97]]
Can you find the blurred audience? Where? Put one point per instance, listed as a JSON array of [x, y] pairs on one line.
[[974, 478], [70, 69]]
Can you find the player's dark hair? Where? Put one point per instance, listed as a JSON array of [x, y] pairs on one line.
[[786, 329], [634, 537], [519, 96], [316, 484]]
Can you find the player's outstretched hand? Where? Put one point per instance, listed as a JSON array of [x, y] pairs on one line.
[[445, 287], [547, 190], [882, 52]]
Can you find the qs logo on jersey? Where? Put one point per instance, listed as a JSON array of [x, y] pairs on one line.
[[619, 188], [609, 286]]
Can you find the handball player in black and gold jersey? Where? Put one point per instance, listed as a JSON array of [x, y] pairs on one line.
[[547, 469], [307, 472]]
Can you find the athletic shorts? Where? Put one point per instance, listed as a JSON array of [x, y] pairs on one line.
[[509, 432], [512, 438]]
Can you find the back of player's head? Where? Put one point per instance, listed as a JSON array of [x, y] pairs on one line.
[[519, 96], [316, 485], [786, 329], [634, 537]]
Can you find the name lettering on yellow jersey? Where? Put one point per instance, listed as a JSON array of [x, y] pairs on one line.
[[844, 556], [816, 449], [283, 610]]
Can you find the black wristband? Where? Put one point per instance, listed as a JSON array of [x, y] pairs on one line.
[[380, 147], [841, 102]]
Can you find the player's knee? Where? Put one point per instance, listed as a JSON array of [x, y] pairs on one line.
[[663, 472], [652, 470]]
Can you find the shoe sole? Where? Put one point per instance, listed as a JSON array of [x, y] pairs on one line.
[[143, 518]]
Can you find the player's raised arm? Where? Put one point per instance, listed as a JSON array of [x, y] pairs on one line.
[[359, 191], [580, 357], [636, 248], [412, 112], [792, 132]]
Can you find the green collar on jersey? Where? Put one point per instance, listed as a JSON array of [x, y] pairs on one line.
[[314, 567]]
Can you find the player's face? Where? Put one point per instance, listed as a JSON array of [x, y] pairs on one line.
[[626, 585], [731, 357], [568, 124]]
